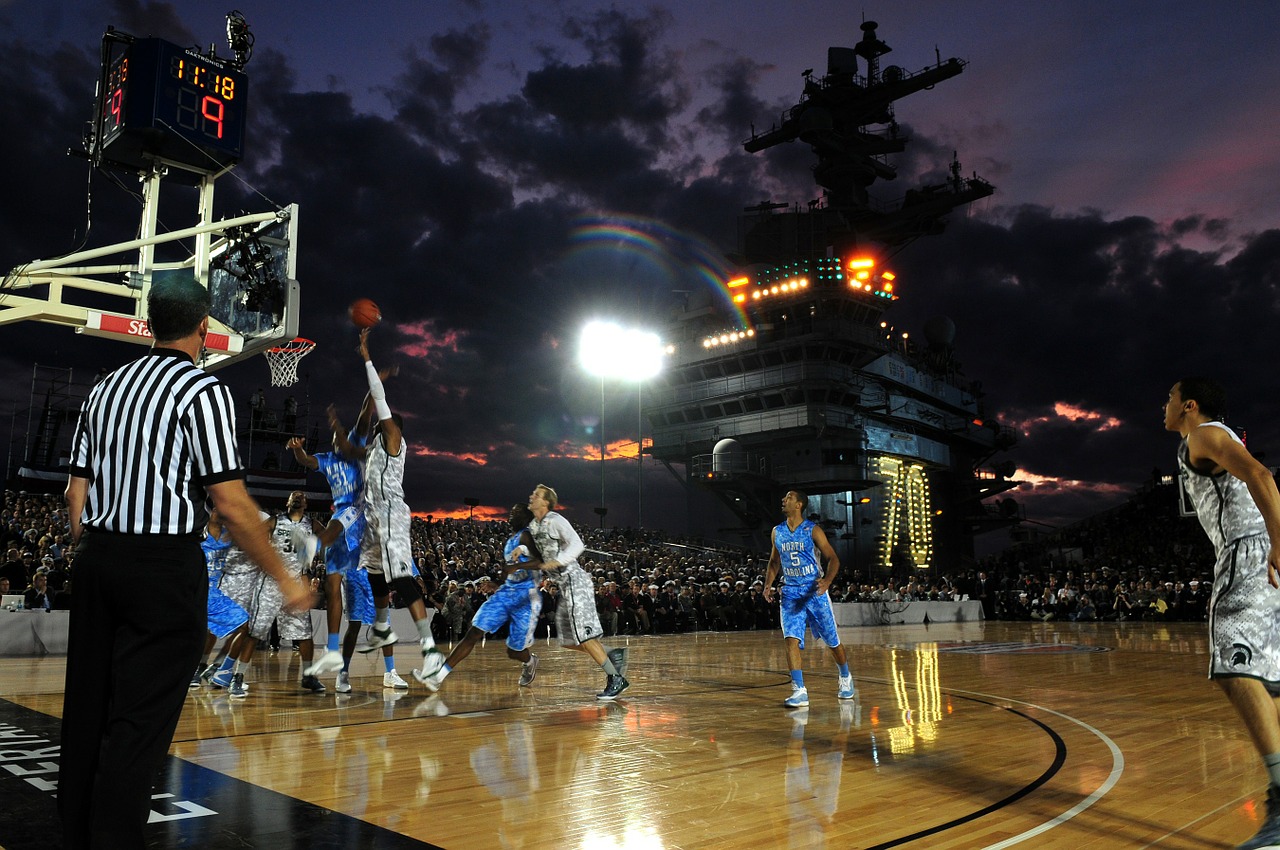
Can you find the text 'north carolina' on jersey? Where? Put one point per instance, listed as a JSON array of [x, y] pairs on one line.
[[800, 568], [345, 481]]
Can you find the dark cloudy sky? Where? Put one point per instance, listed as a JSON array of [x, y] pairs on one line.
[[443, 155]]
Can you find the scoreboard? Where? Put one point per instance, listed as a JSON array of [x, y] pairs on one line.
[[164, 101]]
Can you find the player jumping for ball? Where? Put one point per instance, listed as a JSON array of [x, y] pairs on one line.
[[385, 551]]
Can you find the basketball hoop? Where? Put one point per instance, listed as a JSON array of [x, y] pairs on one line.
[[283, 360]]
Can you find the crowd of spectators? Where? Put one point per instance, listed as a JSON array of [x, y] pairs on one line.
[[34, 535], [1139, 561], [646, 582]]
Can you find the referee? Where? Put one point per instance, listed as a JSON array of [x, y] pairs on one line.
[[155, 442]]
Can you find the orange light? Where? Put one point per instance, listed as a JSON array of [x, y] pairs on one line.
[[862, 263], [755, 294], [740, 298], [862, 275], [888, 276], [888, 287], [738, 281]]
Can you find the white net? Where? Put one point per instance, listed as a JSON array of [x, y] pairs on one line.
[[283, 360]]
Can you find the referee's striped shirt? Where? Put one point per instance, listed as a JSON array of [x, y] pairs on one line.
[[151, 436]]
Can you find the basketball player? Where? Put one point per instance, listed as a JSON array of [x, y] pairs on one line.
[[341, 538], [517, 602], [1236, 500], [226, 619], [804, 601], [577, 623], [260, 595], [385, 551]]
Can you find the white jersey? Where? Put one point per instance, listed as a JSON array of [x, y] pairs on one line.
[[383, 474], [284, 538], [387, 545], [556, 539], [1223, 504]]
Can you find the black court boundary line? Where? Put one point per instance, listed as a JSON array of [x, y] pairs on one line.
[[1060, 757]]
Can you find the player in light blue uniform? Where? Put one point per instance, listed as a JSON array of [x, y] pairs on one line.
[[517, 603], [345, 581], [804, 600], [224, 615]]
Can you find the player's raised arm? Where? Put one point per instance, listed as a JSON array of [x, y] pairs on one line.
[[300, 454], [390, 428], [347, 448]]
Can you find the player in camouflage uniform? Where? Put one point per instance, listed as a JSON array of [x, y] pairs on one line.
[[577, 623], [1238, 505], [386, 552]]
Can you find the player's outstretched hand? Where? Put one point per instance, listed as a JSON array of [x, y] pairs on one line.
[[294, 443], [363, 348], [297, 596]]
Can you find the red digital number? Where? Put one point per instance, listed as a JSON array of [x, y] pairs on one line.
[[117, 98], [215, 115]]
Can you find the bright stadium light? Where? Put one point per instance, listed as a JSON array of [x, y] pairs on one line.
[[611, 351]]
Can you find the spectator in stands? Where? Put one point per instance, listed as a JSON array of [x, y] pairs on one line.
[[37, 596], [605, 608], [1085, 612], [1044, 607], [13, 569], [550, 603]]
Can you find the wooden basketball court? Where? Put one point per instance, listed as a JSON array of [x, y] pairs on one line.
[[982, 735]]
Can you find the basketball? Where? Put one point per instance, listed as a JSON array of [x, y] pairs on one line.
[[364, 313]]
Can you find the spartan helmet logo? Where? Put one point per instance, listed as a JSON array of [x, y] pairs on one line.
[[1241, 655]]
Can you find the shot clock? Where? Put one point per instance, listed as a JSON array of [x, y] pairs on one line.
[[163, 101]]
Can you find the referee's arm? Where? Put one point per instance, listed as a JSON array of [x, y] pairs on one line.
[[239, 514], [77, 493]]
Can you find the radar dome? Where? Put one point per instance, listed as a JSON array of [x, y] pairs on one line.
[[940, 332], [729, 456]]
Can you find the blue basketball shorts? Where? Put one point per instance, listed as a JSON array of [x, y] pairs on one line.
[[517, 604], [344, 554], [225, 616], [359, 597], [811, 611]]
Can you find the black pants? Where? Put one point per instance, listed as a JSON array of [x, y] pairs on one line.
[[136, 633]]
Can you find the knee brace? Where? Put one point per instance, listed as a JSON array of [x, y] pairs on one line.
[[407, 589]]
